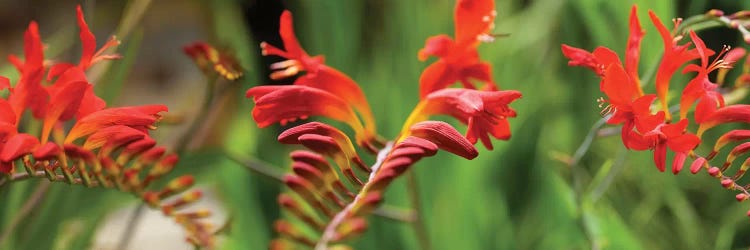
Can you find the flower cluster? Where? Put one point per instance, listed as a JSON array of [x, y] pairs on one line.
[[69, 135], [649, 126], [334, 209]]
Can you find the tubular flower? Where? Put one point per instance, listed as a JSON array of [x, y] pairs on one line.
[[675, 55], [625, 103], [318, 75], [28, 92], [89, 54], [485, 112], [701, 88], [458, 58]]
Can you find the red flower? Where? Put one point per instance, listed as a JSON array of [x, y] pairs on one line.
[[675, 55], [603, 57], [89, 54], [28, 91], [459, 60], [701, 88], [318, 75], [657, 135], [626, 104], [485, 112]]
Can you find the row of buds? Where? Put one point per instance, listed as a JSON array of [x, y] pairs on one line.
[[318, 184]]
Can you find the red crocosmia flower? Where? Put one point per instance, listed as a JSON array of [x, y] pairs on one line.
[[601, 58], [675, 55], [458, 59], [625, 103], [596, 61], [701, 88], [138, 117], [89, 54], [28, 91], [318, 75], [485, 112], [658, 136]]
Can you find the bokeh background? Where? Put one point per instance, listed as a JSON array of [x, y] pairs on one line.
[[518, 196]]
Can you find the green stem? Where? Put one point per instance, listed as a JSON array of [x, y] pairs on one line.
[[418, 225], [208, 102]]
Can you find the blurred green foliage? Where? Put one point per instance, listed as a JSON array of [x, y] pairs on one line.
[[514, 197]]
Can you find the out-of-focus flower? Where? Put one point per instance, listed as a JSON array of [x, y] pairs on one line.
[[458, 58]]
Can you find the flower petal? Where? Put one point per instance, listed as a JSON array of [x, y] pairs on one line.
[[17, 146], [473, 18]]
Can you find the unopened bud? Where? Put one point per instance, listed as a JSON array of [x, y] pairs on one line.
[[350, 228], [727, 183], [741, 197], [715, 13], [714, 171], [185, 199]]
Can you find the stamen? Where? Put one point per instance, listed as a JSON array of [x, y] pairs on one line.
[[606, 108], [285, 69], [719, 62], [676, 22]]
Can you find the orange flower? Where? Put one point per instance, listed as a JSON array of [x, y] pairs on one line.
[[89, 54], [459, 60], [700, 88], [288, 103], [318, 75], [28, 91], [675, 55], [602, 57]]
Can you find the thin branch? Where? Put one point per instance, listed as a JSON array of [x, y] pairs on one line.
[[257, 166], [586, 144]]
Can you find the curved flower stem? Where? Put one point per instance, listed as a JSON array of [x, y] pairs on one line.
[[208, 103], [586, 144], [34, 200], [133, 221], [418, 225], [257, 166]]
